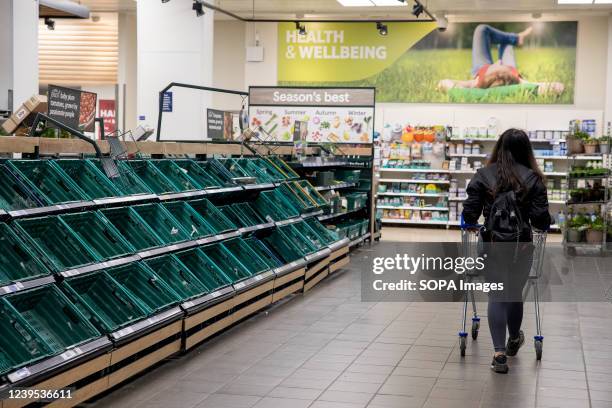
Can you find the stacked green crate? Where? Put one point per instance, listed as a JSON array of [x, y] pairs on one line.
[[177, 175], [126, 181], [312, 193], [14, 195], [48, 312], [298, 197], [177, 275], [283, 167], [152, 293], [236, 169], [263, 252], [327, 236], [20, 344], [189, 219], [17, 261], [104, 301], [133, 228], [317, 241], [246, 255], [256, 168], [165, 225], [47, 181], [216, 169], [152, 177], [199, 174], [274, 205], [99, 234], [355, 201], [215, 218], [289, 244], [348, 176], [242, 214], [56, 242], [205, 269], [227, 262], [89, 178], [275, 172]]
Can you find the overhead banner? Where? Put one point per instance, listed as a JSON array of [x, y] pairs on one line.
[[318, 115], [506, 62]]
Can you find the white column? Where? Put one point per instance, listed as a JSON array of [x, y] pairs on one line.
[[18, 50], [608, 104], [174, 46], [128, 57]]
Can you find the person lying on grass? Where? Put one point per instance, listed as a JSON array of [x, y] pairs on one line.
[[487, 74]]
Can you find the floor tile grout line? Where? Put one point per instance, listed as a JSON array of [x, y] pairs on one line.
[[586, 376]]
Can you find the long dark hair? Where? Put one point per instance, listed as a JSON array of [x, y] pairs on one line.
[[513, 147]]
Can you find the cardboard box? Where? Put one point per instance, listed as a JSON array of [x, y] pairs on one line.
[[9, 126], [37, 103]]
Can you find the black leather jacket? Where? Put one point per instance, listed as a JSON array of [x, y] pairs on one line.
[[534, 205]]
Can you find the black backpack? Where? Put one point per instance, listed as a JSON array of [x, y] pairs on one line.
[[505, 222]]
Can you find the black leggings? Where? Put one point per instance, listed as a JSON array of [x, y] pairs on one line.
[[502, 315]]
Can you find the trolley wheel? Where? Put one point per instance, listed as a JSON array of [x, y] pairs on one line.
[[462, 346], [538, 349], [475, 328]]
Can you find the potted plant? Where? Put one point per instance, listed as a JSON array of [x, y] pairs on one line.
[[604, 144], [590, 145], [576, 227], [594, 233], [575, 142]]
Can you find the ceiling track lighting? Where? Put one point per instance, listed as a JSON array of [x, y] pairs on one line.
[[301, 28], [165, 1], [50, 23], [382, 29], [417, 9], [197, 7]]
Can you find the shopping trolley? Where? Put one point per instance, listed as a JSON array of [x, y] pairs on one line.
[[469, 248]]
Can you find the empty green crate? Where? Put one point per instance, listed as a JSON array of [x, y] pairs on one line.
[[227, 262], [242, 214], [17, 261], [236, 169], [272, 204], [216, 169], [145, 286], [271, 169], [282, 166], [199, 174], [86, 175], [177, 175], [299, 240], [56, 242], [245, 254], [256, 169], [164, 224], [349, 176], [99, 233], [312, 193], [46, 180], [177, 275], [14, 195], [20, 345], [152, 177], [53, 317], [355, 201], [283, 248], [215, 218], [328, 236], [189, 219], [317, 241], [264, 252], [126, 181], [298, 197], [205, 269], [104, 301], [133, 228]]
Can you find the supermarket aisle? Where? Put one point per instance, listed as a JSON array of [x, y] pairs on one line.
[[329, 350]]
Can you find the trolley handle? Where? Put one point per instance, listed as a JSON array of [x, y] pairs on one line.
[[465, 226]]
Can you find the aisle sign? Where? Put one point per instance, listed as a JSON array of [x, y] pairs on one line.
[[214, 124], [108, 112], [72, 107], [319, 115]]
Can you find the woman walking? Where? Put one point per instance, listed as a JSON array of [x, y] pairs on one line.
[[510, 180]]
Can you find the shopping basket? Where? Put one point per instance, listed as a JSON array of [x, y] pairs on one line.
[[177, 276], [17, 261], [215, 218], [133, 228], [89, 178]]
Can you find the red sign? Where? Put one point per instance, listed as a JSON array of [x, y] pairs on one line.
[[108, 112]]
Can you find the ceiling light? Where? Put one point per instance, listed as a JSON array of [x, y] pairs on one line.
[[417, 9], [50, 23], [198, 8], [574, 1], [356, 3], [382, 29], [301, 28], [388, 3]]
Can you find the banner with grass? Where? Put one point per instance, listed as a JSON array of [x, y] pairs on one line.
[[510, 62]]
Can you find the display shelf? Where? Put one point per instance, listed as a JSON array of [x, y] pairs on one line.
[[406, 170], [481, 155], [473, 139], [325, 217], [392, 194], [336, 186], [551, 157], [415, 181], [411, 207], [457, 198], [415, 222], [556, 201], [555, 173], [464, 171], [359, 240]]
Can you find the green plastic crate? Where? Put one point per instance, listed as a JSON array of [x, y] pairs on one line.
[[17, 261], [127, 181], [53, 317], [56, 242], [189, 219], [104, 301], [276, 172], [272, 204], [14, 195], [46, 180], [205, 269], [145, 286], [227, 262], [348, 176], [177, 175], [99, 233], [282, 247], [264, 252], [355, 201], [317, 241], [216, 169], [236, 169], [283, 166], [20, 344], [164, 224], [255, 168], [92, 181], [242, 214], [215, 218], [299, 198], [296, 238], [313, 193], [245, 254], [151, 176], [328, 236], [133, 228], [199, 174], [177, 276]]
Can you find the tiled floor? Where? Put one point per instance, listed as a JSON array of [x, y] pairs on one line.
[[327, 349]]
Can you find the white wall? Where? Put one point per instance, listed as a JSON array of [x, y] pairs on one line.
[[6, 51], [128, 62], [229, 63], [174, 46], [608, 110]]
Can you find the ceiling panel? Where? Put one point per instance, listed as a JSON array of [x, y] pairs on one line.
[[109, 5]]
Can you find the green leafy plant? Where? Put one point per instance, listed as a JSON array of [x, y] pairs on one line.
[[590, 141], [597, 225], [579, 222], [580, 135]]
